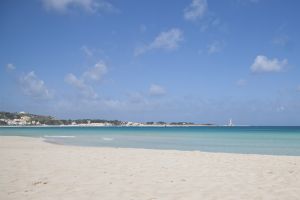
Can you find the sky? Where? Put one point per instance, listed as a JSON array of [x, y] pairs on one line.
[[202, 61]]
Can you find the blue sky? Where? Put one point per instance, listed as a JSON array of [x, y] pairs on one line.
[[191, 60]]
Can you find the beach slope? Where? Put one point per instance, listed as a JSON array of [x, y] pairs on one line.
[[32, 169]]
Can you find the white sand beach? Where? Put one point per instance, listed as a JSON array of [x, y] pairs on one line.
[[32, 169]]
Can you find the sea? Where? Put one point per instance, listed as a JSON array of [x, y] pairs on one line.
[[266, 140]]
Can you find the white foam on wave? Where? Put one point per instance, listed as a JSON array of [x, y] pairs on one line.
[[107, 139], [59, 136]]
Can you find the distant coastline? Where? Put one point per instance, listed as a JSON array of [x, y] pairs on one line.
[[87, 125], [23, 119]]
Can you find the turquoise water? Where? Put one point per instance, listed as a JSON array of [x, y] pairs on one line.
[[247, 140]]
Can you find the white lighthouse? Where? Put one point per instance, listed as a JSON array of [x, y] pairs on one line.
[[230, 122]]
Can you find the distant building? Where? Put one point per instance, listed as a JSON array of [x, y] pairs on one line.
[[25, 118]]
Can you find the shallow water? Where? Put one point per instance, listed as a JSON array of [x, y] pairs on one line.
[[247, 140]]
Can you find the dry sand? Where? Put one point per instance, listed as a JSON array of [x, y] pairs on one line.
[[32, 169]]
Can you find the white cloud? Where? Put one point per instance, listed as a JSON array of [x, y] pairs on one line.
[[195, 10], [157, 90], [264, 64], [198, 11], [73, 80], [215, 47], [96, 73], [168, 40], [34, 87], [10, 67], [86, 90], [91, 6]]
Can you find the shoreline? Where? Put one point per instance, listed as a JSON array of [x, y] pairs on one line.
[[33, 169], [285, 149], [141, 126], [57, 126], [153, 149]]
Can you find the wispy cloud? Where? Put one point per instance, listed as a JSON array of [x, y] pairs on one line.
[[10, 67], [95, 73], [91, 6], [157, 90], [135, 97], [241, 82], [248, 1], [254, 1], [86, 90], [264, 64], [168, 40], [143, 28], [215, 47], [87, 51], [198, 11], [82, 84], [281, 41], [280, 109], [195, 10], [34, 87]]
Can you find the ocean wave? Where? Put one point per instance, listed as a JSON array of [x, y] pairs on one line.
[[59, 136], [107, 139]]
